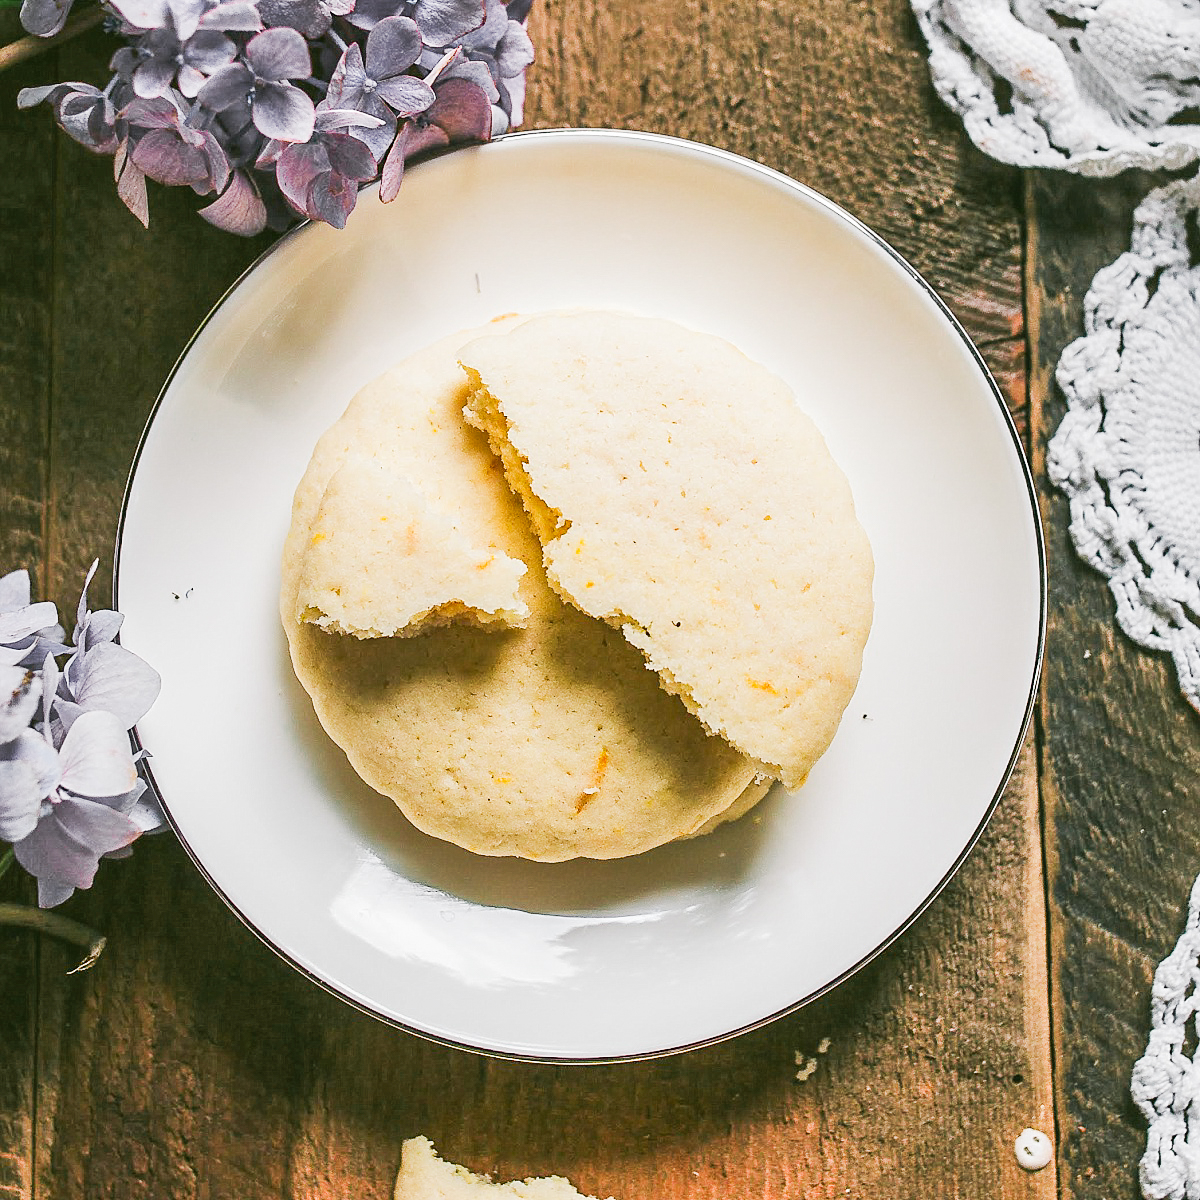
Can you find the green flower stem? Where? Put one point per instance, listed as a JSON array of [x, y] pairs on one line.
[[20, 916], [30, 47], [6, 860]]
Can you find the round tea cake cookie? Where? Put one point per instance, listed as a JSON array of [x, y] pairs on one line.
[[550, 741], [681, 494]]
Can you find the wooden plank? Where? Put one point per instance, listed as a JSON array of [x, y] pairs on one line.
[[1121, 749], [192, 1063], [26, 233], [125, 302]]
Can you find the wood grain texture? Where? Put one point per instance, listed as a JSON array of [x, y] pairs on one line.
[[26, 240], [193, 1063], [1121, 748]]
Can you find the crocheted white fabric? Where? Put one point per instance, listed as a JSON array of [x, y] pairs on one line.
[[1094, 86], [1127, 453], [1166, 1079]]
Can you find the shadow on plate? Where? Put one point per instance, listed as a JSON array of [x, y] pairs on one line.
[[722, 860]]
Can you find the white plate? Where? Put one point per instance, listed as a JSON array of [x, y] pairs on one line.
[[692, 942]]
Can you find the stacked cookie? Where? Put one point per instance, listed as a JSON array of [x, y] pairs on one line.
[[640, 496]]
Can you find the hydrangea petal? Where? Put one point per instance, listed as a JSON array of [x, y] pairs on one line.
[[100, 828], [235, 15], [368, 13], [116, 680], [128, 801], [348, 79], [298, 166], [68, 843], [96, 758], [405, 95], [515, 51], [100, 626], [209, 50], [131, 186], [157, 112], [90, 121], [190, 81], [349, 157], [284, 112], [330, 120], [308, 17], [66, 713], [89, 124], [50, 680], [18, 625], [380, 137], [278, 54], [495, 26], [185, 16], [474, 72], [52, 893], [227, 87], [239, 209], [147, 815], [38, 756], [392, 46], [331, 198], [445, 21], [44, 17], [20, 799], [153, 77], [20, 696], [145, 14], [27, 98], [462, 110], [392, 175], [164, 157], [10, 656], [515, 87], [218, 168]]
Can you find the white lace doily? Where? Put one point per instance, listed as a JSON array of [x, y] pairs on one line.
[[1127, 453], [1094, 86], [1166, 1079]]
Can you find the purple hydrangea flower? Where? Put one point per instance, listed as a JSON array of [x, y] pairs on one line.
[[321, 179], [378, 83], [196, 101], [260, 85], [69, 788]]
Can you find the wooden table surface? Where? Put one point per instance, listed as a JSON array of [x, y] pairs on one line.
[[193, 1063]]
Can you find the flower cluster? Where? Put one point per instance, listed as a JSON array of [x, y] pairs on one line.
[[285, 108], [69, 787]]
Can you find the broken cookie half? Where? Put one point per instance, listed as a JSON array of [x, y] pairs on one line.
[[382, 561], [680, 494], [425, 1176]]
